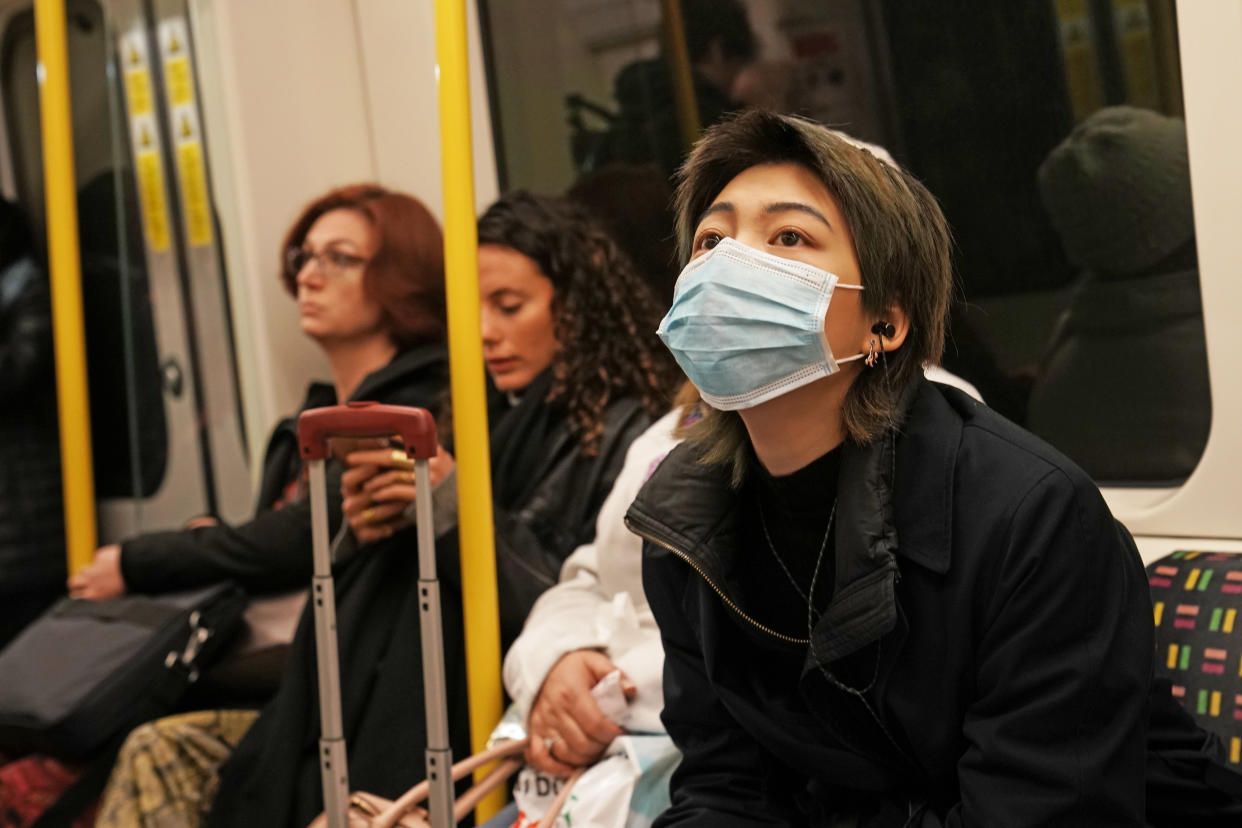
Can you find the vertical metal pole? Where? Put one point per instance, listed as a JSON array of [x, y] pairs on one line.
[[333, 763], [60, 195], [439, 754], [474, 484], [683, 78]]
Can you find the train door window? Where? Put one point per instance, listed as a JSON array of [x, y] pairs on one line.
[[1051, 131], [165, 415], [127, 415]]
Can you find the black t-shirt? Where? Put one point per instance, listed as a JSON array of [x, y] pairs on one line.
[[797, 547]]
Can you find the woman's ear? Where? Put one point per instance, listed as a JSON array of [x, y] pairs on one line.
[[891, 328]]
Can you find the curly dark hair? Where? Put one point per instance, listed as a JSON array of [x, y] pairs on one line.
[[604, 313]]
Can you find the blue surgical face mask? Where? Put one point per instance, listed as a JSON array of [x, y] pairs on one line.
[[747, 326]]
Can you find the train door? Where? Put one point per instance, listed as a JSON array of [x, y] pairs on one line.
[[166, 425]]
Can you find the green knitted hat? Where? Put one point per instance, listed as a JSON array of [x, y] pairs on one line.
[[1117, 190]]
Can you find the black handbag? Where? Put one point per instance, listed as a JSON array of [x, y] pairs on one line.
[[87, 672]]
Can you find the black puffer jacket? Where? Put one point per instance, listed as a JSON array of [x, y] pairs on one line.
[[555, 515], [273, 550], [32, 545], [273, 778], [992, 616]]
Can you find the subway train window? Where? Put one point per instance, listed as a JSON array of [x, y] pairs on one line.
[[1051, 131], [166, 423], [130, 454]]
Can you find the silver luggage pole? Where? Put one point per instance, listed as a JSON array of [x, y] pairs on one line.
[[333, 765], [439, 754], [418, 432]]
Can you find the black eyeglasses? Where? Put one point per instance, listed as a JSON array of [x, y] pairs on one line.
[[331, 263]]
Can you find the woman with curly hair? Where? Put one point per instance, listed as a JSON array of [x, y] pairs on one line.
[[576, 374]]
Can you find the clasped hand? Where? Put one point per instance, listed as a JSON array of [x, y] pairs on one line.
[[567, 729], [378, 485]]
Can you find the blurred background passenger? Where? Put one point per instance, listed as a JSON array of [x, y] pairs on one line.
[[1129, 349], [576, 374], [365, 265], [633, 204], [32, 544], [719, 44]]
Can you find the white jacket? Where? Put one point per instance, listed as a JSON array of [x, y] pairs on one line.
[[599, 602]]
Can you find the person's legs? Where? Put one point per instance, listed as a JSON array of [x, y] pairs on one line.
[[32, 784], [165, 775]]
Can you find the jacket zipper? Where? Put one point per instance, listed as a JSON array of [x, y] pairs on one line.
[[780, 636], [725, 598]]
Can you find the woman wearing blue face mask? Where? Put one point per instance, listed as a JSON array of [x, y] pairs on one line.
[[880, 602]]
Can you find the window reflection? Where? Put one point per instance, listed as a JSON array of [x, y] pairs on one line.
[[974, 98]]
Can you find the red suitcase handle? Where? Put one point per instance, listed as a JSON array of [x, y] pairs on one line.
[[416, 427]]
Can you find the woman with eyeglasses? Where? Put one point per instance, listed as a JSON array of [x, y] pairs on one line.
[[365, 265]]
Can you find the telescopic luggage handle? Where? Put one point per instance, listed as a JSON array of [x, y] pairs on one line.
[[416, 427]]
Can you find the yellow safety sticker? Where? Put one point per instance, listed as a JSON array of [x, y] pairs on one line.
[[1078, 55], [180, 81], [194, 193], [138, 91], [151, 199], [1137, 55]]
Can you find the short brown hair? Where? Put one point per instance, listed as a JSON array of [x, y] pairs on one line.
[[901, 241], [406, 276]]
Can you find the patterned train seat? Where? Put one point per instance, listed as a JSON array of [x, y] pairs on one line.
[[1197, 600]]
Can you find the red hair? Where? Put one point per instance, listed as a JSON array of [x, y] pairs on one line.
[[406, 275]]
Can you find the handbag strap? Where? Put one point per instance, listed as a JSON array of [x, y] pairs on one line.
[[554, 810], [496, 777], [406, 802]]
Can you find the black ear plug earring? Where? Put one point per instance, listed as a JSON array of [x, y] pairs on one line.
[[880, 329]]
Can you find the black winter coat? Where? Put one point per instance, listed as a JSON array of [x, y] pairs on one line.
[[272, 551], [32, 544], [273, 777], [556, 514], [990, 619]]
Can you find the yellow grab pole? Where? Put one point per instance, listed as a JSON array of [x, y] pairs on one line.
[[73, 403], [683, 79], [474, 478]]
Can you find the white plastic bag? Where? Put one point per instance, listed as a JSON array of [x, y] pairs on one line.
[[627, 788]]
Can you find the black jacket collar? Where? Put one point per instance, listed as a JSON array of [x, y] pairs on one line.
[[377, 384], [689, 508]]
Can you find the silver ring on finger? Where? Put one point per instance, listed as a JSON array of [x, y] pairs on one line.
[[549, 741]]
